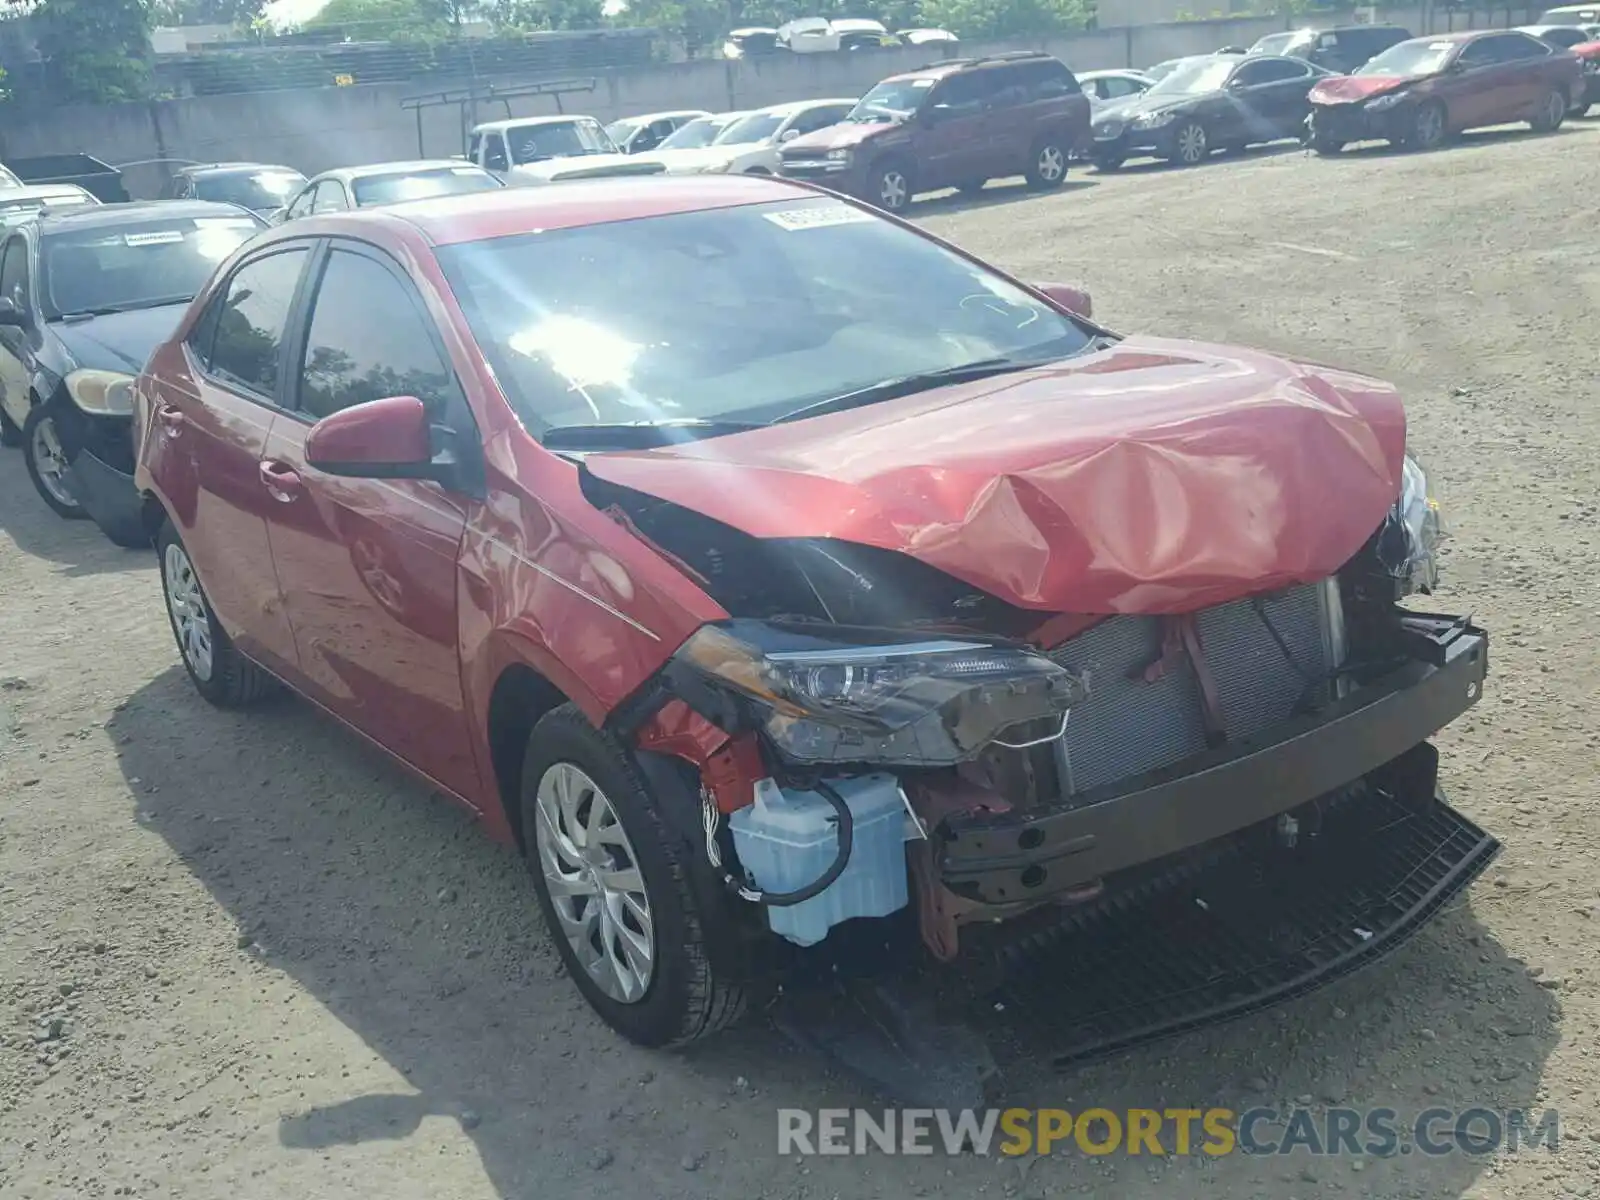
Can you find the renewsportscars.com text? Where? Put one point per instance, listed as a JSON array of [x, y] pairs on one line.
[[1376, 1132]]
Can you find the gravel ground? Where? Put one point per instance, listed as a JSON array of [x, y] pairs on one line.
[[275, 966]]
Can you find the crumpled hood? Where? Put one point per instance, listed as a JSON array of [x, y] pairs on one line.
[[585, 166], [1345, 89], [1157, 476], [118, 341], [839, 137]]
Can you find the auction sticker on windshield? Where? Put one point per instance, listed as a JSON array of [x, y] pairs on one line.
[[818, 217], [154, 237], [224, 223]]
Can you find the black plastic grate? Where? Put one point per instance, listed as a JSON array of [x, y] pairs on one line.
[[1252, 926]]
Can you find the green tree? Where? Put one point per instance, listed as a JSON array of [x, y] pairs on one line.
[[239, 13], [379, 20], [98, 50], [516, 16], [976, 19]]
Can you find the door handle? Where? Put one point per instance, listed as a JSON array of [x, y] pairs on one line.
[[282, 482], [171, 420]]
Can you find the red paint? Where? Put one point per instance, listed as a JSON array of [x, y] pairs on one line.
[[1074, 300], [393, 430], [1157, 476]]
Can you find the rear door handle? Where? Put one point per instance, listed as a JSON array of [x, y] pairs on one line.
[[281, 481]]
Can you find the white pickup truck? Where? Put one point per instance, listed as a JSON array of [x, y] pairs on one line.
[[538, 150]]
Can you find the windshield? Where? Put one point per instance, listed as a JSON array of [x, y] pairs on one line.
[[15, 212], [620, 131], [255, 189], [738, 314], [154, 262], [558, 139], [755, 127], [1420, 57], [1194, 76], [893, 98], [7, 179], [420, 185], [1569, 16], [701, 131]]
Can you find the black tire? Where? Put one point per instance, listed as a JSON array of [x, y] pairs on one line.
[[1326, 146], [684, 1000], [1108, 162], [1047, 163], [1429, 127], [233, 681], [1190, 145], [1552, 111], [758, 171], [1580, 109], [40, 425], [887, 194], [972, 187], [10, 435]]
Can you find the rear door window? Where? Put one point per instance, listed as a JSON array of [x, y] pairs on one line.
[[1519, 47], [252, 319], [1268, 70]]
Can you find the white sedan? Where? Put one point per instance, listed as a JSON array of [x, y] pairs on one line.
[[749, 146], [1108, 87]]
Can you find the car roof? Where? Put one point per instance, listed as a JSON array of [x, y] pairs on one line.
[[1113, 73], [394, 168], [793, 106], [37, 191], [506, 212], [111, 216], [229, 168], [526, 122], [661, 116]]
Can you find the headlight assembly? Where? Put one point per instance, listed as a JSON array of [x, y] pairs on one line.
[[1153, 120], [1385, 101], [826, 697], [839, 156], [1408, 542], [102, 393]]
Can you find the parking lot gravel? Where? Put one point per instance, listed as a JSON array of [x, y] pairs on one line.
[[244, 956]]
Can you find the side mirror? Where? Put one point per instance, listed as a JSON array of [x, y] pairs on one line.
[[10, 315], [788, 135], [380, 439], [1075, 300]]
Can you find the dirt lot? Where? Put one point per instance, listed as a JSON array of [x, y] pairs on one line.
[[283, 969]]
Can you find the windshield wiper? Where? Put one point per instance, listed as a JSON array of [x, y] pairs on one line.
[[639, 435], [910, 385], [106, 310]]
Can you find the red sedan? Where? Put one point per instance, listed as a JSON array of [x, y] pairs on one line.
[[740, 554], [1419, 93]]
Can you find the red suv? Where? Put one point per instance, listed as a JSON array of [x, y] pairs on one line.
[[741, 554], [957, 124]]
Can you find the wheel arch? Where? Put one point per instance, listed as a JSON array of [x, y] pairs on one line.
[[519, 698]]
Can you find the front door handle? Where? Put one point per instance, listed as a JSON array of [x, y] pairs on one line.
[[171, 420], [281, 481]]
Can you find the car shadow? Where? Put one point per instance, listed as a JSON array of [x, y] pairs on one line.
[[77, 546], [1153, 166], [421, 936], [1465, 141], [1000, 191]]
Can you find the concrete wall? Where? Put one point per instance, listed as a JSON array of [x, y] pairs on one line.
[[327, 127]]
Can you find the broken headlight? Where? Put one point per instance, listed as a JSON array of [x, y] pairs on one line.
[[837, 698], [1408, 541]]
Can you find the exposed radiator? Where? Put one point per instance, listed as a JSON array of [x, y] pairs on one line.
[[1129, 726]]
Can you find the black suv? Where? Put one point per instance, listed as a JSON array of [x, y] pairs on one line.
[[1340, 50], [958, 123]]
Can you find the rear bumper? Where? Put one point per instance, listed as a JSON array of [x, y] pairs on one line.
[[109, 497], [1011, 857]]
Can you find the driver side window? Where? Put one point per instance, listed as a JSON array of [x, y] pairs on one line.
[[329, 197], [301, 204], [963, 95], [1478, 54], [1255, 74], [494, 153], [14, 273]]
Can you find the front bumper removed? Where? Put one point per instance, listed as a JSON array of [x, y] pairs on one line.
[[1012, 857]]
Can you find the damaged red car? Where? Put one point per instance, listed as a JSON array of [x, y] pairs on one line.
[[762, 566]]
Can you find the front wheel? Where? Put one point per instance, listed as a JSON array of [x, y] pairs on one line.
[[614, 888], [1428, 127], [46, 461], [219, 672], [1047, 164], [891, 188], [1327, 146], [1552, 111], [1108, 162], [1190, 145]]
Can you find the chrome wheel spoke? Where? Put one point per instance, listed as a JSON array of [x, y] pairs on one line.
[[186, 603]]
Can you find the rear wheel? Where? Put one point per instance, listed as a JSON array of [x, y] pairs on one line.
[[1047, 164], [10, 435], [972, 187], [1190, 144], [1552, 111], [614, 888], [219, 672], [47, 463]]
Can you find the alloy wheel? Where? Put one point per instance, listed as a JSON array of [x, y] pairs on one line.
[[1052, 164], [1430, 126], [1555, 111], [1191, 144], [892, 191], [186, 603], [596, 888], [51, 462]]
